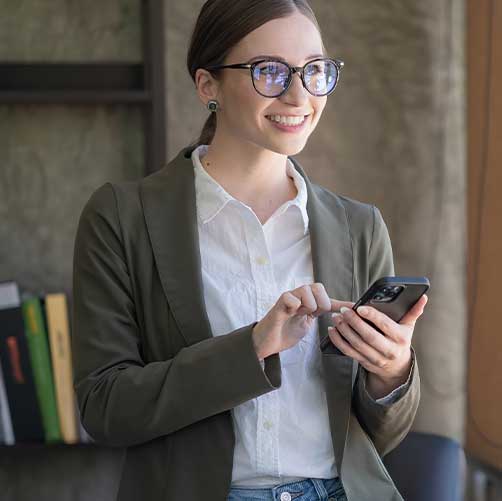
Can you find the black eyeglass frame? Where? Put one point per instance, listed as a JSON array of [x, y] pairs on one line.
[[292, 70]]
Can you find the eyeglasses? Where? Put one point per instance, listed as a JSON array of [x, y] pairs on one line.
[[272, 78]]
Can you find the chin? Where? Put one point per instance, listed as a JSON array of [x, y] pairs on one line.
[[288, 149]]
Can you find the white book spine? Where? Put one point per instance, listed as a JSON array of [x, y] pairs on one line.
[[5, 419]]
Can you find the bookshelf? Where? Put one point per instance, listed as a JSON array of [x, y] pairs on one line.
[[83, 471], [103, 83], [59, 472]]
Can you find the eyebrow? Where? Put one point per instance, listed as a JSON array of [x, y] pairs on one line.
[[279, 58]]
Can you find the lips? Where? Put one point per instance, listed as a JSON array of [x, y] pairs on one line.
[[287, 120], [292, 129]]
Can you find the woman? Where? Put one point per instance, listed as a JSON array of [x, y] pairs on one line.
[[201, 291]]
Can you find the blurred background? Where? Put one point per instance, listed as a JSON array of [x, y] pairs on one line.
[[98, 91]]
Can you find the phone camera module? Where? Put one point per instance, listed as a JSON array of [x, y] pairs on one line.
[[382, 296], [387, 294]]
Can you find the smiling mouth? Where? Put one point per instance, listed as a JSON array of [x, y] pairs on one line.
[[291, 121]]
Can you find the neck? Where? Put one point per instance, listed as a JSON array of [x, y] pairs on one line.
[[254, 175]]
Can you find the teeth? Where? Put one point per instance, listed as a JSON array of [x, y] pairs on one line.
[[287, 120]]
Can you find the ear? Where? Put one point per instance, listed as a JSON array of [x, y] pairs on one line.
[[207, 85]]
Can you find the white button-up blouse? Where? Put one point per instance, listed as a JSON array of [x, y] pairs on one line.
[[284, 435]]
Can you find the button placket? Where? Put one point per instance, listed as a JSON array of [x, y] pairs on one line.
[[261, 267], [267, 433], [267, 443]]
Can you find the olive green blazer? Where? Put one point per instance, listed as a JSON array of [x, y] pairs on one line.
[[149, 375]]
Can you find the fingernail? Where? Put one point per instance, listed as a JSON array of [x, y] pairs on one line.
[[330, 329], [343, 309], [362, 310], [336, 314]]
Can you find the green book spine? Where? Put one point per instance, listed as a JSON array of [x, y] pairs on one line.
[[38, 346]]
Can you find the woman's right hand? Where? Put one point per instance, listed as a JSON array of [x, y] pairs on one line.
[[290, 319]]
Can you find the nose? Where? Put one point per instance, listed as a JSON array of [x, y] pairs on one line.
[[297, 94]]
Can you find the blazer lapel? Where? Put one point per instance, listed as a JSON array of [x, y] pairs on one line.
[[331, 245], [332, 261], [169, 206]]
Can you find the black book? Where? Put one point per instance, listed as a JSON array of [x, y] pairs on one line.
[[16, 367]]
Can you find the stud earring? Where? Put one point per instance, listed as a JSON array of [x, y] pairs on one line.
[[212, 105]]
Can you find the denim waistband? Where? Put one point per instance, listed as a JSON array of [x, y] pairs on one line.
[[310, 489]]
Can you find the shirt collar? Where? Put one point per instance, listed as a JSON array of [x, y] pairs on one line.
[[212, 197]]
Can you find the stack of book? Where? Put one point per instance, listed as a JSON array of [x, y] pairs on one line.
[[37, 400]]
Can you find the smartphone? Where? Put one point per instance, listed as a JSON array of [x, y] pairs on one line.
[[394, 296]]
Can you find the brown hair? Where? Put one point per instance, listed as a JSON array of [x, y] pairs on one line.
[[222, 24]]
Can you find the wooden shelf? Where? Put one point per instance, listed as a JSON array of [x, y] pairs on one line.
[[59, 445], [75, 97]]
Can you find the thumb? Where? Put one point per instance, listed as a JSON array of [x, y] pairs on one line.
[[415, 311]]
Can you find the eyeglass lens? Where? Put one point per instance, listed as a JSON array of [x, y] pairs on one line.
[[271, 77]]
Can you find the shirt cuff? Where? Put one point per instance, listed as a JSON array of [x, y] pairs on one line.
[[397, 393]]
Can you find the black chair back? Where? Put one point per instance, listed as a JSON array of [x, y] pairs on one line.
[[428, 467]]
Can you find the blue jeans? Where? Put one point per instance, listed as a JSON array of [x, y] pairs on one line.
[[311, 489]]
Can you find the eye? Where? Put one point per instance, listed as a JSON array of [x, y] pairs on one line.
[[267, 69], [315, 69]]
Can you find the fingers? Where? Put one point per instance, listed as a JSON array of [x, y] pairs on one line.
[[390, 328], [418, 308], [338, 340], [336, 305], [307, 299], [321, 298], [289, 303], [363, 337], [314, 299]]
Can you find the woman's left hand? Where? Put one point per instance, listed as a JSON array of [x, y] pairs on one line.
[[386, 357]]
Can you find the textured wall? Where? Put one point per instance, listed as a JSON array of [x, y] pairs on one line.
[[70, 30], [392, 134], [53, 158]]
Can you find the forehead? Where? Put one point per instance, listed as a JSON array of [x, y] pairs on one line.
[[294, 38]]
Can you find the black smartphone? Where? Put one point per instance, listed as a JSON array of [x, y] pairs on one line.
[[394, 296]]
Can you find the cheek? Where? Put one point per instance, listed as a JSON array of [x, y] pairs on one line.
[[317, 108], [246, 106], [318, 104], [241, 94]]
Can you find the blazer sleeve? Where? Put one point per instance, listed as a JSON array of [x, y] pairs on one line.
[[123, 399], [386, 425]]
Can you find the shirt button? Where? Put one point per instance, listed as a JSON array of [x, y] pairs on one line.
[[262, 260], [267, 425], [285, 496]]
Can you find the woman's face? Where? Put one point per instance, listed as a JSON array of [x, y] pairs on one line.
[[243, 112]]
